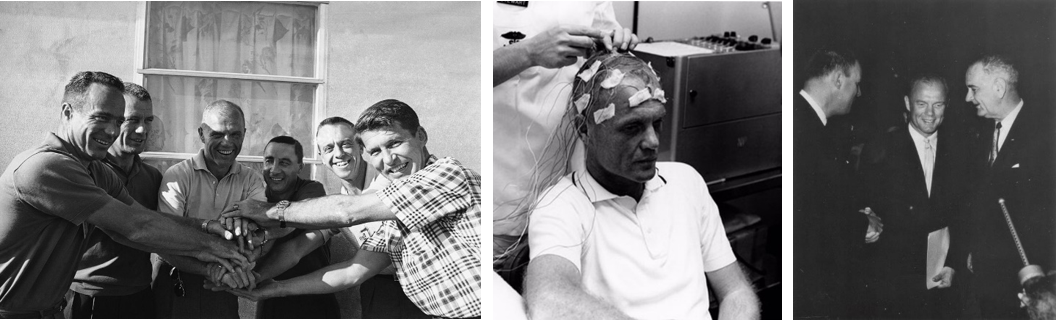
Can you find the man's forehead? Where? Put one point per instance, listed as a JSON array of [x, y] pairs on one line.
[[279, 150], [333, 131]]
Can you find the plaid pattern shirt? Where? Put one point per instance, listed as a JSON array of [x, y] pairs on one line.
[[435, 242]]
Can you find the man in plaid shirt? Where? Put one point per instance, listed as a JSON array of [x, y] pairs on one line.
[[431, 213]]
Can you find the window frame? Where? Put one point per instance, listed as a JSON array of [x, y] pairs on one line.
[[319, 81]]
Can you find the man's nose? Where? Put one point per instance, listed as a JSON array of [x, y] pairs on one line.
[[968, 97], [387, 157], [651, 139], [140, 129]]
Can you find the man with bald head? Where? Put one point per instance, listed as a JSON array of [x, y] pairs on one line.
[[910, 177], [200, 188], [1018, 160], [55, 195]]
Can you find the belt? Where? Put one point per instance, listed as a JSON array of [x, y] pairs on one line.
[[47, 313]]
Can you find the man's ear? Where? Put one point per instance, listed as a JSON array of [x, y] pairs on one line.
[[1001, 87], [67, 111], [421, 134], [201, 138], [836, 78], [908, 105]]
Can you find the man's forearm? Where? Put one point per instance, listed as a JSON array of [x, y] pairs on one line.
[[287, 254], [333, 278], [509, 61], [739, 305], [333, 211], [186, 264], [171, 234], [552, 292]]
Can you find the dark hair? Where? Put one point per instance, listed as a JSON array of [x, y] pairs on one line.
[[284, 139], [136, 91], [334, 121], [929, 78], [1001, 67], [224, 104], [79, 84], [387, 113], [825, 61], [1041, 291]]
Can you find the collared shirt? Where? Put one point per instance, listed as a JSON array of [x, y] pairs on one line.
[[918, 140], [646, 258], [46, 195], [109, 268], [190, 190], [529, 107], [816, 107], [1006, 125], [362, 232], [434, 243]]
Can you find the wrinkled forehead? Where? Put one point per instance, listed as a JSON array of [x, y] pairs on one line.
[[280, 151], [223, 121], [929, 89], [334, 133], [135, 107]]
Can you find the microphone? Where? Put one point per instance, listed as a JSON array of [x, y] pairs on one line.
[[1029, 270]]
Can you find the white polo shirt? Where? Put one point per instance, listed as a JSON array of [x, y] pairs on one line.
[[648, 259], [528, 108]]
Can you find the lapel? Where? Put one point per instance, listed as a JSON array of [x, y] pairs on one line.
[[1010, 151], [911, 159]]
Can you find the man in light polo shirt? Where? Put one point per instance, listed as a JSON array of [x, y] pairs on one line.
[[200, 188], [114, 280], [626, 237], [55, 195]]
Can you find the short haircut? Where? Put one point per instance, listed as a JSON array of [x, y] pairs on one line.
[[136, 91], [1042, 294], [223, 106], [929, 78], [826, 61], [1001, 67], [336, 120], [284, 139], [387, 113], [79, 84]]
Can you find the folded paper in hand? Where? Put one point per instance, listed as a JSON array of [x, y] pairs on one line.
[[938, 245]]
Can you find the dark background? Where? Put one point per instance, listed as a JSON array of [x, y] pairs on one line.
[[895, 39]]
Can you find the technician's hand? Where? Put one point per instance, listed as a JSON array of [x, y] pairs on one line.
[[944, 277], [621, 40], [251, 209], [562, 45], [875, 226]]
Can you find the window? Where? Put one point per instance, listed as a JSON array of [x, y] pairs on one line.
[[269, 58]]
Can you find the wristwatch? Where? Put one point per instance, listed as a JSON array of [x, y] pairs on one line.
[[281, 206]]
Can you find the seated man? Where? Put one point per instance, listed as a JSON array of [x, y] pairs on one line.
[[431, 212], [56, 194], [626, 237]]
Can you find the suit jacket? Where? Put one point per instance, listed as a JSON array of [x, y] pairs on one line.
[[892, 183], [1024, 175], [828, 230]]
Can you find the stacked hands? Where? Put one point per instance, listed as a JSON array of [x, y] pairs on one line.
[[249, 240]]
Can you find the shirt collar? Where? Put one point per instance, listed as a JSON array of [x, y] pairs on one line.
[[597, 193], [199, 163], [919, 138], [113, 162], [816, 108], [55, 141], [1006, 123]]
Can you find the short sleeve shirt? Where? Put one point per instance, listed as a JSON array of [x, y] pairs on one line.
[[190, 190], [109, 268], [646, 258], [46, 195], [319, 257], [434, 243]]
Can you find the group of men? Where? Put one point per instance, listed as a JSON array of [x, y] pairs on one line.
[[83, 213], [923, 222], [615, 235]]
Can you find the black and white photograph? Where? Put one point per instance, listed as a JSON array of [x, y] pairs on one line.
[[924, 166], [637, 160], [227, 160]]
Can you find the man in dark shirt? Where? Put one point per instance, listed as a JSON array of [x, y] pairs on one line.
[[114, 280]]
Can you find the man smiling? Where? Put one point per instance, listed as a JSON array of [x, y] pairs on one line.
[[199, 188], [431, 213]]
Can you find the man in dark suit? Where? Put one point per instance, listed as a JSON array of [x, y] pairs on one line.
[[829, 231], [909, 178], [1019, 166]]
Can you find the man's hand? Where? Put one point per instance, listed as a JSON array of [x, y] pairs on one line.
[[875, 226], [561, 46], [944, 277], [251, 209], [224, 253], [623, 39], [267, 289]]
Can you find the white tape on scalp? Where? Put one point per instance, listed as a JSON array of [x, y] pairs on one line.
[[659, 95], [604, 114], [590, 72], [613, 80], [639, 97], [652, 70], [582, 102]]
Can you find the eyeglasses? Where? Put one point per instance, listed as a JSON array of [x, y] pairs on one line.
[[178, 285]]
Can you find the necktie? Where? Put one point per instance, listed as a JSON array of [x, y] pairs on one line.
[[929, 164], [994, 149]]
